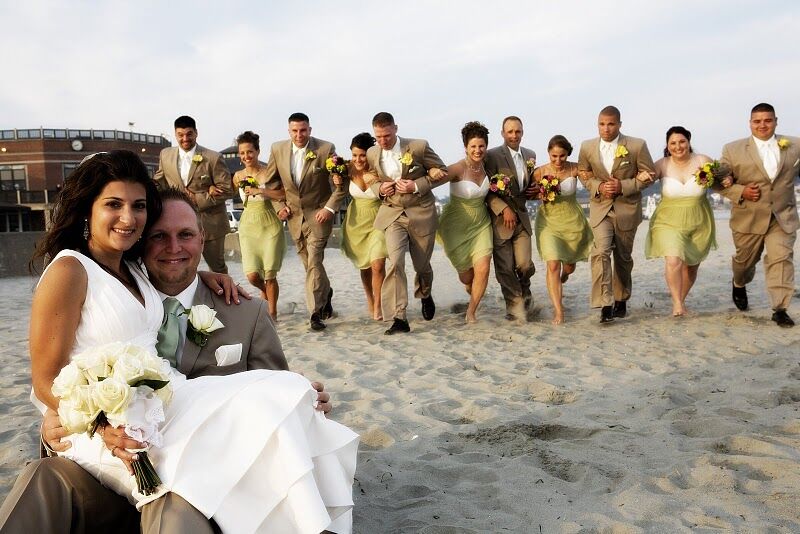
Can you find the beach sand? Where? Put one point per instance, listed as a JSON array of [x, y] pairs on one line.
[[650, 424]]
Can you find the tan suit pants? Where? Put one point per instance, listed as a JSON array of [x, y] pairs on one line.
[[778, 262], [399, 240], [57, 496], [214, 254], [513, 268], [311, 250], [609, 285]]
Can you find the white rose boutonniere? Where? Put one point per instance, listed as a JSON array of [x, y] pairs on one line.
[[202, 321], [197, 158]]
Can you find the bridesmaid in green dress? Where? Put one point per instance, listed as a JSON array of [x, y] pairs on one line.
[[464, 227], [563, 235], [361, 241], [261, 236], [682, 227]]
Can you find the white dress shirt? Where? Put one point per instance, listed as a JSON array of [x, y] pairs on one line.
[[186, 298], [608, 151], [390, 161], [185, 163], [519, 164], [298, 161], [770, 154]]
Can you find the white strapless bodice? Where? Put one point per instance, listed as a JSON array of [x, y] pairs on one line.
[[675, 188], [356, 192], [468, 189], [568, 186]]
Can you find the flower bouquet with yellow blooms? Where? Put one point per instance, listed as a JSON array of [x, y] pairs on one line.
[[549, 189], [500, 184], [709, 173]]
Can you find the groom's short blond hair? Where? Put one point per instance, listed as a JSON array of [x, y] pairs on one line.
[[179, 195]]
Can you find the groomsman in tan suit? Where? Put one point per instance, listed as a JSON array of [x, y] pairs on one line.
[[298, 165], [56, 494], [408, 170], [203, 175], [513, 263], [764, 167], [614, 168]]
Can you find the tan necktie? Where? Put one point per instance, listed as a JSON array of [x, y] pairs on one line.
[[299, 158], [608, 156], [769, 160]]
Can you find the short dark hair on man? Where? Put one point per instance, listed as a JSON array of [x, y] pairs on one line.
[[185, 121], [561, 142], [472, 130], [680, 130], [510, 118], [248, 137], [382, 119], [299, 117], [363, 141], [611, 111], [763, 107]]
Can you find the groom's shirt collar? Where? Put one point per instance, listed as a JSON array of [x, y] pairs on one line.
[[190, 153], [296, 149], [613, 143], [771, 143], [185, 297]]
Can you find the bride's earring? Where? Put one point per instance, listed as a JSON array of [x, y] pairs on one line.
[[86, 229]]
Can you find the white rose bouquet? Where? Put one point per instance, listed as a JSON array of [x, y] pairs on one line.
[[119, 384]]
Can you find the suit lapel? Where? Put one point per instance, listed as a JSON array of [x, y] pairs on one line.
[[308, 163], [752, 151], [596, 160], [191, 351], [781, 157], [285, 166], [623, 141], [193, 167], [403, 150]]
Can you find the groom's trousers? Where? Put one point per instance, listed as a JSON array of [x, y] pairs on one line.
[[394, 293], [56, 495]]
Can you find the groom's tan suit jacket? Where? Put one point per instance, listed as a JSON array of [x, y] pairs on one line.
[[247, 323], [777, 197], [315, 191], [203, 174], [420, 207], [628, 205]]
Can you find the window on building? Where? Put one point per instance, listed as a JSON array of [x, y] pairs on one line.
[[61, 134], [68, 168], [13, 177], [8, 134], [86, 134], [49, 134]]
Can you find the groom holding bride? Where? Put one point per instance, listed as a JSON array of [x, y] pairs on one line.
[[57, 495]]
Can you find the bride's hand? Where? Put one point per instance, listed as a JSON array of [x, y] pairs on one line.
[[53, 433], [222, 284], [117, 441]]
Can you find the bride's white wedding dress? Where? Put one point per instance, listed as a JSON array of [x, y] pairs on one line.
[[247, 449]]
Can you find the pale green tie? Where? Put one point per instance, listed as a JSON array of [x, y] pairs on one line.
[[170, 332]]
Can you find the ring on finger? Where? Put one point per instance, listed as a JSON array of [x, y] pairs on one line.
[[114, 448]]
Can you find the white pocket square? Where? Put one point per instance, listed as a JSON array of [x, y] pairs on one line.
[[624, 163], [228, 354], [796, 162]]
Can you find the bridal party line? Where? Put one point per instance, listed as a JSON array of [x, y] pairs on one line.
[[386, 182]]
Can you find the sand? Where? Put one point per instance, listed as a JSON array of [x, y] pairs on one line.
[[650, 424]]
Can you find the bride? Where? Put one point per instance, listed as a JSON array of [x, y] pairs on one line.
[[247, 449]]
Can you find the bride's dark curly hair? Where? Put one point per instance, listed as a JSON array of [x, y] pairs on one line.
[[474, 129], [74, 205]]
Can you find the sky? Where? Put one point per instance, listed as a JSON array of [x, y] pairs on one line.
[[434, 65]]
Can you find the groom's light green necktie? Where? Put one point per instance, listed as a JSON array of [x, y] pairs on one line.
[[170, 332]]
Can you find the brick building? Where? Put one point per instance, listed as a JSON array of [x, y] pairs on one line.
[[35, 162]]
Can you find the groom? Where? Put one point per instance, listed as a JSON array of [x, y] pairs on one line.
[[764, 167], [408, 170], [57, 495], [614, 168]]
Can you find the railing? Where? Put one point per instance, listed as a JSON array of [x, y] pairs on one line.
[[69, 133]]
